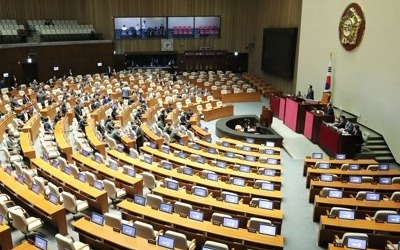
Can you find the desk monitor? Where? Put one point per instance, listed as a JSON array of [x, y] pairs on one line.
[[317, 155], [131, 172], [40, 243], [152, 144], [128, 230], [1, 219], [9, 170], [340, 156], [53, 198], [166, 207], [35, 188], [20, 178], [148, 159], [232, 198], [182, 155], [338, 194], [220, 164], [165, 149], [384, 167], [82, 177], [267, 229], [225, 144], [98, 184], [202, 192], [267, 186], [120, 148], [140, 200], [206, 129], [195, 146], [269, 172], [356, 243], [326, 177], [354, 166], [67, 170], [324, 165], [244, 168], [370, 196], [249, 140], [165, 241], [97, 159], [265, 204], [181, 142], [355, 179], [200, 160], [246, 148], [270, 144], [45, 157], [167, 165], [250, 158], [55, 163], [187, 171], [269, 151], [132, 153], [85, 152], [211, 150], [208, 139], [97, 218], [208, 248], [393, 218], [113, 165], [172, 185], [385, 180], [346, 214], [230, 222], [196, 215], [230, 154], [238, 181], [272, 161], [212, 177]]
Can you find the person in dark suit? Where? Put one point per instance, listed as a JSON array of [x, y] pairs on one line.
[[23, 117], [58, 116], [139, 135], [14, 103], [83, 123], [47, 126], [329, 110], [342, 122], [359, 138], [41, 97], [78, 110], [116, 135], [310, 93], [348, 127], [25, 99]]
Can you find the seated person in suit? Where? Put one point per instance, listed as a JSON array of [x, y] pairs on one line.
[[348, 127], [359, 138], [109, 126], [172, 132], [342, 122], [310, 93], [83, 123], [116, 135], [14, 103], [22, 117], [47, 126], [25, 99], [329, 110], [58, 116], [11, 142]]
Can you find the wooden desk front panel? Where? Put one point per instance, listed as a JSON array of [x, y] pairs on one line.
[[97, 199], [9, 118], [26, 145], [32, 126], [205, 227], [49, 111], [151, 135], [60, 132], [5, 236], [332, 247], [55, 214], [215, 113], [93, 139]]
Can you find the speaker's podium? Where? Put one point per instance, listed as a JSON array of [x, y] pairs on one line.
[[266, 117]]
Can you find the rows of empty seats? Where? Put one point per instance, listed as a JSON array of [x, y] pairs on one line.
[[60, 27], [10, 27]]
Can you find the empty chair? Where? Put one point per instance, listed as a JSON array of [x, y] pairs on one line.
[[182, 208], [180, 240], [254, 222], [5, 207], [72, 204], [42, 184], [325, 191], [113, 192], [380, 215], [23, 222], [67, 242], [149, 180], [219, 217], [361, 195], [373, 167], [345, 236], [391, 246], [367, 179], [396, 179], [90, 178], [115, 221], [345, 166], [4, 197], [395, 196], [145, 230], [335, 211], [216, 245], [56, 191], [154, 200]]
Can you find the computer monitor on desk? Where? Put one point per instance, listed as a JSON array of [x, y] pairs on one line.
[[140, 200], [355, 179], [338, 194], [383, 167], [244, 168], [199, 192], [265, 204], [128, 230], [230, 222], [340, 157], [187, 171], [385, 180], [393, 218], [97, 218], [269, 172], [196, 215], [267, 229], [221, 164], [232, 198], [238, 181], [346, 214], [165, 241], [357, 243], [40, 243], [166, 207], [370, 196], [324, 165], [354, 167], [317, 155], [326, 177]]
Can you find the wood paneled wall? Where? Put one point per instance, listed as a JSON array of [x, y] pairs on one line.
[[242, 20]]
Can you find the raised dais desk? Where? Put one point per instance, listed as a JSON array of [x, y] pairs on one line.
[[333, 142]]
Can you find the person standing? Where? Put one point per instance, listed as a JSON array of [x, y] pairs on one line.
[[310, 93]]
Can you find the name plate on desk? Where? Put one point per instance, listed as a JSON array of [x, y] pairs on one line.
[[252, 230], [332, 216], [151, 241], [344, 181], [256, 187], [337, 244], [228, 182], [116, 229], [217, 223], [183, 215], [129, 199], [154, 207], [252, 205], [86, 218], [188, 191]]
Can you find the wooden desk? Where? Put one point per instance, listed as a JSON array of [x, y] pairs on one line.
[[215, 205], [206, 228], [100, 113], [240, 97], [9, 118], [49, 111], [321, 204], [253, 164], [351, 188], [333, 142], [274, 104], [131, 184], [26, 145], [215, 113], [223, 171], [253, 146], [199, 132], [308, 162], [55, 214], [344, 174], [99, 145], [5, 236], [150, 135], [313, 121], [98, 200], [195, 179], [104, 237], [32, 126], [26, 246], [332, 247], [60, 133], [329, 227]]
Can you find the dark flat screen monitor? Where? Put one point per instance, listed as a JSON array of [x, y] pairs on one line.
[[267, 229], [97, 218], [165, 241], [230, 222], [346, 214], [356, 243], [128, 230], [196, 215], [140, 200], [40, 243]]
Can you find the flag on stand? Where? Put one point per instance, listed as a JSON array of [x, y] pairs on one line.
[[329, 75]]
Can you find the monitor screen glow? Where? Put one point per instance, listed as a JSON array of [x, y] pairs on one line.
[[82, 177], [369, 196], [393, 218], [131, 172], [232, 198], [148, 159], [238, 181], [340, 156], [120, 148], [356, 243], [326, 177], [246, 148], [35, 188], [355, 179], [128, 230], [195, 146], [166, 207], [98, 184], [40, 243], [384, 167], [346, 214], [221, 164], [165, 241], [324, 165], [354, 167], [132, 153], [199, 192], [187, 171], [165, 149], [317, 155], [225, 144], [269, 172], [212, 177], [269, 151], [182, 155], [230, 154], [56, 68], [250, 158], [335, 194], [140, 200], [250, 140], [53, 198], [113, 164], [167, 165], [211, 150], [196, 215], [200, 160], [385, 180], [152, 144], [265, 204], [230, 222], [244, 168], [267, 229], [272, 161], [98, 159], [97, 218], [172, 185], [267, 186]]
